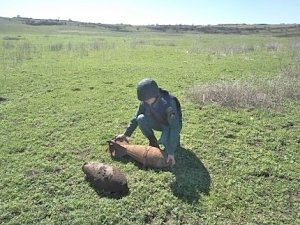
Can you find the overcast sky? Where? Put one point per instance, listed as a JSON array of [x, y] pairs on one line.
[[144, 12]]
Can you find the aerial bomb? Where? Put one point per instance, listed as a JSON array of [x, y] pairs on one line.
[[106, 178], [148, 156]]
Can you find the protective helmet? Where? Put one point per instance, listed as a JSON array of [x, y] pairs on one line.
[[146, 89]]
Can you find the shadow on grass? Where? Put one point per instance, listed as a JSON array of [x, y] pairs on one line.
[[110, 195], [2, 99], [192, 178]]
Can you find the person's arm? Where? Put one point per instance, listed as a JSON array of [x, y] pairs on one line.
[[133, 122], [173, 116]]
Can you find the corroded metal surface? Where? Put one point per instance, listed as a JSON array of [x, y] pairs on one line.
[[149, 156], [105, 177]]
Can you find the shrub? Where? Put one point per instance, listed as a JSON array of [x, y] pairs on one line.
[[7, 45], [56, 47], [229, 93], [8, 38], [240, 94], [272, 46], [224, 49], [231, 49]]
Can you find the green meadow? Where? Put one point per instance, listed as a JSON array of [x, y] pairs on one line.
[[66, 90]]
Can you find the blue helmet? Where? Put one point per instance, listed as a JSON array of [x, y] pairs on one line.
[[146, 89]]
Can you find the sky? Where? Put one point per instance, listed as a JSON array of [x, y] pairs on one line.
[[146, 12]]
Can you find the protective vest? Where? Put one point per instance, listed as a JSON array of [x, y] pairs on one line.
[[159, 110]]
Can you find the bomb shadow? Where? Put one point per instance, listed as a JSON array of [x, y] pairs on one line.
[[110, 195], [192, 177]]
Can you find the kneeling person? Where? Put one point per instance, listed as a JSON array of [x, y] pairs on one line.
[[160, 111]]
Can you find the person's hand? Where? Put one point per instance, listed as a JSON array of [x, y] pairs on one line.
[[171, 160], [122, 137]]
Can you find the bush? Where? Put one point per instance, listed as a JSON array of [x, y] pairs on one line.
[[56, 47], [241, 94], [227, 93]]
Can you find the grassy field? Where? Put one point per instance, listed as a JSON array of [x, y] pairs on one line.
[[65, 90]]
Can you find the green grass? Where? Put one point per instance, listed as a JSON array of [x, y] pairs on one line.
[[65, 91]]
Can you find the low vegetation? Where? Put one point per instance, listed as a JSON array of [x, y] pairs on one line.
[[251, 93], [66, 90]]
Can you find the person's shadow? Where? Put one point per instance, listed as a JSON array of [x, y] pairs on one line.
[[192, 178]]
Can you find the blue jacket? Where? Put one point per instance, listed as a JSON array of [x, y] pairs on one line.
[[166, 111]]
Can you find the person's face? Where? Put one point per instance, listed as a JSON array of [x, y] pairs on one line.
[[150, 101]]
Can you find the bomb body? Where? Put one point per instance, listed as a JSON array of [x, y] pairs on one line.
[[148, 156], [105, 177]]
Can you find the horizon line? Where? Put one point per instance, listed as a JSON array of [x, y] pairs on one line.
[[219, 24]]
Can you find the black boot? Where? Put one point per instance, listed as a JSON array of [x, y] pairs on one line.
[[153, 141]]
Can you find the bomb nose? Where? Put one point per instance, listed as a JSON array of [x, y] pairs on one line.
[[111, 148], [84, 165]]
